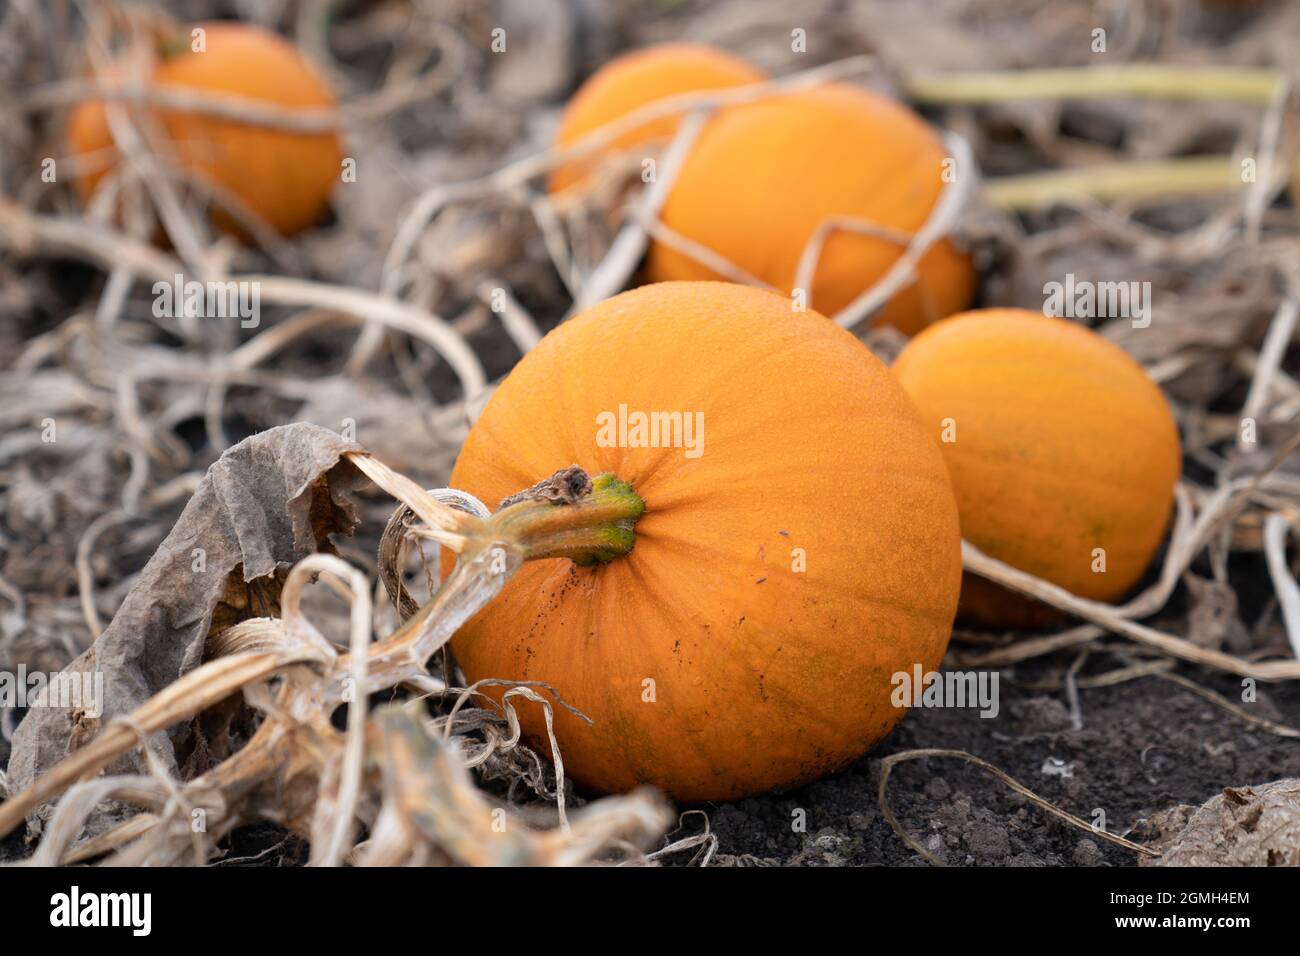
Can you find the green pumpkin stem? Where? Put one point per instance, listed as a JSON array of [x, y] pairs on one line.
[[173, 45], [569, 515]]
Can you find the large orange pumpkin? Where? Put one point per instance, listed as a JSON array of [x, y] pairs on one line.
[[764, 176], [635, 80], [1063, 453], [778, 580], [282, 176]]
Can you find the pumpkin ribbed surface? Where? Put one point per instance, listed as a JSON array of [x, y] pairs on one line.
[[708, 664], [764, 176], [1063, 446]]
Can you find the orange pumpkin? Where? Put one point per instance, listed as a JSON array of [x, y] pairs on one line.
[[282, 176], [764, 176], [1058, 445], [635, 80], [778, 579]]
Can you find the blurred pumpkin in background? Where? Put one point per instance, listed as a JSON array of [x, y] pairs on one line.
[[765, 175], [1063, 453], [282, 176], [634, 80]]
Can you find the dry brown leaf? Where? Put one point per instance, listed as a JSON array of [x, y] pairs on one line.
[[266, 503], [1242, 826]]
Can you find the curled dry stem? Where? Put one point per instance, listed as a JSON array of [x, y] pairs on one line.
[[1106, 617], [184, 698], [621, 258], [388, 770], [887, 766]]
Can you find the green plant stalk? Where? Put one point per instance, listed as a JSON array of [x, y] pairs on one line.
[[1159, 81], [1198, 175]]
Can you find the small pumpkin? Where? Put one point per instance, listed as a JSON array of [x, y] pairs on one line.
[[778, 579], [764, 176], [282, 176], [637, 79], [1063, 453]]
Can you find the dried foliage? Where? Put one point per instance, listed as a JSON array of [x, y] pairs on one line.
[[1242, 826], [266, 507], [269, 502], [380, 325]]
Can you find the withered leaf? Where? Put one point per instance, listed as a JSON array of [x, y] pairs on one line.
[[1257, 825], [265, 504]]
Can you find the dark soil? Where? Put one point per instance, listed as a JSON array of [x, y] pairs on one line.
[[1144, 745]]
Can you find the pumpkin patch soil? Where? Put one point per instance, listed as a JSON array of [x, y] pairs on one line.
[[1144, 746]]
